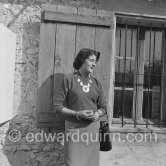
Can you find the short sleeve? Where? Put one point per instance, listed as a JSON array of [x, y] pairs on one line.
[[59, 98]]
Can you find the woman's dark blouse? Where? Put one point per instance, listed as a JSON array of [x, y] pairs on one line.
[[72, 96]]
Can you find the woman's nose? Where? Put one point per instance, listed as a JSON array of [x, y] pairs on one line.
[[94, 64]]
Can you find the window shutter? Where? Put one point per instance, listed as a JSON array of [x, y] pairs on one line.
[[64, 31]]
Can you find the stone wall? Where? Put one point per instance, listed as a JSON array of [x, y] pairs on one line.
[[23, 18]]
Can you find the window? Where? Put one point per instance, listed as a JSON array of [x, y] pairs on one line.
[[139, 73]]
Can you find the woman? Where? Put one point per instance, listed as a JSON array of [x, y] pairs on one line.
[[81, 101]]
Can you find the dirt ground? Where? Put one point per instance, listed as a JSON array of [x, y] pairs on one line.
[[150, 155]]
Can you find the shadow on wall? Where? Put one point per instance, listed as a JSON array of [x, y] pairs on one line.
[[24, 143], [46, 113]]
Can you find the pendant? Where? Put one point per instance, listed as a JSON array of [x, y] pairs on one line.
[[85, 88]]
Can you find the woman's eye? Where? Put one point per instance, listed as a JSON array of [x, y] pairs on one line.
[[91, 60]]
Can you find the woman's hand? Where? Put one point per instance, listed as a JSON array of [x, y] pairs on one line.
[[95, 116], [85, 114]]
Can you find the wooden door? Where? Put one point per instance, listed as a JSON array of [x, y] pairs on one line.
[[64, 31]]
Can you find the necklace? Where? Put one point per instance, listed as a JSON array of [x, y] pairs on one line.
[[85, 87]]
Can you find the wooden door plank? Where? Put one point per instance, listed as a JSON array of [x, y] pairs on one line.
[[85, 36], [163, 95], [45, 71], [65, 44], [76, 18], [64, 53], [104, 43]]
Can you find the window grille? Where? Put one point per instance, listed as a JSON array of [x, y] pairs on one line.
[[139, 73]]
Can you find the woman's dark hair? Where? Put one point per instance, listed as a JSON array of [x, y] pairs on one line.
[[84, 54]]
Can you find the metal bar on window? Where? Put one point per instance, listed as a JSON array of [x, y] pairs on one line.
[[151, 74], [162, 74], [120, 36], [147, 114], [136, 26], [154, 44], [128, 58], [124, 76], [120, 41], [119, 75], [131, 47], [136, 75]]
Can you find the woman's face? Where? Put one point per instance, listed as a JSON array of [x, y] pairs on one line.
[[89, 64]]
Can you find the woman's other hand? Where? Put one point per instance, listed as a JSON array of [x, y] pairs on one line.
[[95, 116], [85, 114]]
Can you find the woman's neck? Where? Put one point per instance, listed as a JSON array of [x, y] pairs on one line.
[[83, 74]]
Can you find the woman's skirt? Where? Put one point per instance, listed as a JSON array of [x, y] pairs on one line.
[[82, 144]]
